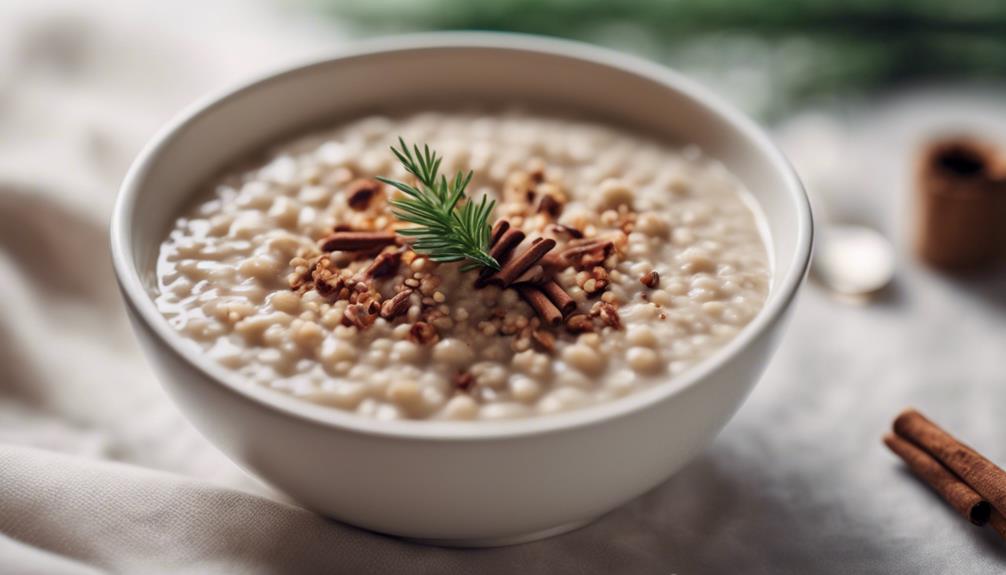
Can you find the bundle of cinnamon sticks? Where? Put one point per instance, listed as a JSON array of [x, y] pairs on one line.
[[969, 482]]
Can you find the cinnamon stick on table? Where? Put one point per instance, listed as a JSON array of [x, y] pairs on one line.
[[985, 477], [998, 522], [965, 500]]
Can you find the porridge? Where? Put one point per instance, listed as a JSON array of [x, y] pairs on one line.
[[609, 262]]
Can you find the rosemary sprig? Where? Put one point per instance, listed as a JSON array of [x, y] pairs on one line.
[[447, 229]]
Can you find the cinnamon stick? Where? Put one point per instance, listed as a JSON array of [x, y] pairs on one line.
[[501, 250], [985, 477], [357, 241], [558, 296], [518, 264], [548, 313], [499, 228], [998, 522], [958, 494], [504, 247]]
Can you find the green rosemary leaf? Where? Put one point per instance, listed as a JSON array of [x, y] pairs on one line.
[[449, 227]]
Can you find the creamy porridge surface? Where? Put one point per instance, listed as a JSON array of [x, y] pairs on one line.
[[657, 247]]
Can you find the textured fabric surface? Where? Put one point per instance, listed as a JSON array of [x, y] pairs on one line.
[[99, 473]]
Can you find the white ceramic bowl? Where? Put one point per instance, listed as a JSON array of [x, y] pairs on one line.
[[456, 483]]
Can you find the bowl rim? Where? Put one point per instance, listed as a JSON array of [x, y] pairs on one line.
[[139, 301]]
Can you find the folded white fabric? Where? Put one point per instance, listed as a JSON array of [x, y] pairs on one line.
[[63, 515]]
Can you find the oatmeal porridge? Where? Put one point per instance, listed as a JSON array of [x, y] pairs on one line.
[[611, 262]]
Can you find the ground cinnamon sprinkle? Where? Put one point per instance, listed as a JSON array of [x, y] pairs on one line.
[[464, 380], [423, 333], [650, 279]]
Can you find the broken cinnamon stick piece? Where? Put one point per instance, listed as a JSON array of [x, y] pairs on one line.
[[587, 253], [385, 264], [548, 313], [965, 500], [558, 296], [519, 263], [356, 241], [985, 477]]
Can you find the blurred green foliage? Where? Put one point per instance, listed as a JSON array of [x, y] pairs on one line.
[[770, 55]]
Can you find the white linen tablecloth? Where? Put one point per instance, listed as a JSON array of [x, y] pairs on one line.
[[99, 473]]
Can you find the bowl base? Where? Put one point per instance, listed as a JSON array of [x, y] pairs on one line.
[[504, 541]]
